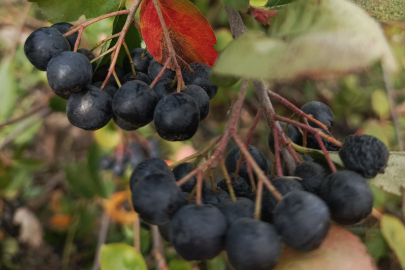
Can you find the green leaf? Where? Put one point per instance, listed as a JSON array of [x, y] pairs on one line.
[[314, 39], [121, 257], [386, 10], [275, 3], [132, 38], [180, 265], [70, 10], [28, 133], [57, 104], [394, 232], [380, 103], [258, 3], [218, 263], [8, 92], [237, 4], [223, 80], [376, 245]]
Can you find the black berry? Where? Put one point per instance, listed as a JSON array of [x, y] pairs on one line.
[[43, 44], [210, 197], [233, 157], [68, 73], [89, 56], [207, 85], [140, 63], [198, 232], [292, 132], [312, 175], [240, 186], [102, 71], [139, 76], [232, 211], [201, 98], [181, 171], [89, 109], [302, 219], [320, 112], [200, 70], [156, 198], [162, 87], [135, 103], [348, 196], [252, 244], [63, 28], [155, 67], [149, 166], [176, 117], [365, 155]]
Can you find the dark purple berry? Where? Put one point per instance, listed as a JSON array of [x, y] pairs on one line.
[[211, 197], [320, 112], [240, 186], [292, 132], [140, 63], [232, 211], [149, 166], [155, 67], [201, 98], [312, 175], [139, 76], [63, 28]]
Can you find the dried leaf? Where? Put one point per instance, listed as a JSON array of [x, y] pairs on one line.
[[31, 229], [341, 250], [192, 36]]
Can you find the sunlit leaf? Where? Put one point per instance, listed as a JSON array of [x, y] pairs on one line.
[[380, 103], [121, 257], [314, 39], [394, 232]]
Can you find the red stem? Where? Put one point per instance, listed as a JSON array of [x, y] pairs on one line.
[[253, 127], [277, 151], [78, 39], [199, 188], [288, 145], [161, 72], [331, 165], [85, 24], [295, 109]]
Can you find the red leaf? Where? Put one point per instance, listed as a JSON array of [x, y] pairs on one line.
[[341, 250], [192, 36]]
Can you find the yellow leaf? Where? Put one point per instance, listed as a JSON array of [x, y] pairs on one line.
[[107, 137], [394, 232]]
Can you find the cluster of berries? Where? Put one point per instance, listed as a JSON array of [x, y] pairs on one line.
[[312, 198], [71, 75]]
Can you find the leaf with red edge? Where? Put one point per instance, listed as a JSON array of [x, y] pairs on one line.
[[341, 250], [192, 36]]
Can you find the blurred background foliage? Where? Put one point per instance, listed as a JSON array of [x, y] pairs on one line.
[[50, 169]]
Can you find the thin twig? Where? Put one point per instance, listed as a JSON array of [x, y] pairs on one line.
[[137, 234], [158, 249], [102, 42], [130, 58], [228, 180], [199, 188], [103, 54], [169, 44], [102, 235], [258, 203], [161, 72], [25, 115], [277, 150]]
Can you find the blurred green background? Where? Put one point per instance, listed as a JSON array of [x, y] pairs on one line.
[[49, 168]]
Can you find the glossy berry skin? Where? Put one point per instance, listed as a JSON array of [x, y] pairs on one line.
[[176, 117], [240, 186], [89, 56], [200, 70], [63, 28], [210, 197], [162, 87], [68, 73], [201, 98], [156, 198], [89, 109], [149, 166], [141, 64], [207, 85], [43, 44], [312, 175], [320, 111], [348, 196], [155, 67], [102, 71], [139, 76], [302, 219], [135, 102], [365, 155], [232, 211], [269, 202], [198, 232], [252, 245], [181, 171], [232, 158], [292, 132]]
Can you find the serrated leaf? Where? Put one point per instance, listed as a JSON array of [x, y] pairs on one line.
[[394, 233], [313, 39], [132, 38], [340, 250], [70, 10], [121, 257], [380, 103], [237, 4], [192, 36], [384, 10]]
